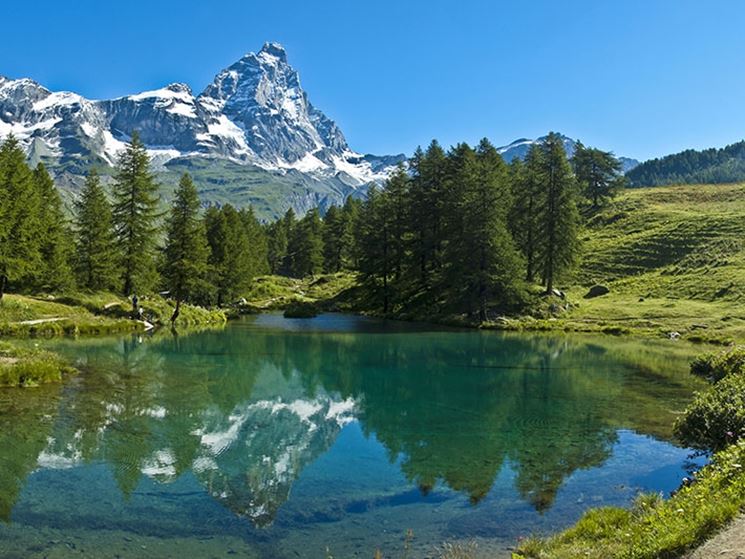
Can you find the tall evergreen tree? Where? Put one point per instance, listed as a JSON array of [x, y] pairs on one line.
[[257, 242], [333, 239], [527, 187], [135, 213], [230, 254], [598, 174], [186, 250], [350, 215], [426, 212], [55, 272], [305, 248], [396, 197], [19, 218], [287, 224], [373, 248], [559, 241], [480, 253], [96, 255]]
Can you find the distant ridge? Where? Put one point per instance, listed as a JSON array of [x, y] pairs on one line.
[[712, 166]]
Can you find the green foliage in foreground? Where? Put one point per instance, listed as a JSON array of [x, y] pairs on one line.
[[655, 528], [716, 418], [30, 367], [716, 366]]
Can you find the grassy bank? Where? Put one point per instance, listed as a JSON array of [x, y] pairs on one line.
[[30, 367], [92, 313], [654, 527], [672, 257]]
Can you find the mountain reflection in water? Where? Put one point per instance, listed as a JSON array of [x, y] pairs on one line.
[[246, 410]]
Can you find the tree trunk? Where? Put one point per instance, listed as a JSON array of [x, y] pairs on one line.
[[3, 283], [176, 313]]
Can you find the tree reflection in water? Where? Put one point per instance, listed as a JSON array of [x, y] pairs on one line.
[[246, 409]]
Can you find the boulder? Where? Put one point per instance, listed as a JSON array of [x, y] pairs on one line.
[[597, 291]]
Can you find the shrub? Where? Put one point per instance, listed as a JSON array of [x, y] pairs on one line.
[[716, 366], [716, 417]]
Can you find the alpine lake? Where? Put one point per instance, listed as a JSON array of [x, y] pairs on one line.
[[334, 437]]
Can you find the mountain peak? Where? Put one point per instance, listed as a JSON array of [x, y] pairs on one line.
[[274, 49]]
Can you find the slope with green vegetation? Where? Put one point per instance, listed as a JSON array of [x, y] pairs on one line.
[[672, 259], [723, 165]]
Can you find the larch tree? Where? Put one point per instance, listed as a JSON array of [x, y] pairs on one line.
[[135, 216], [186, 250], [482, 259], [230, 255], [96, 255], [20, 256], [598, 174], [527, 191], [558, 243], [55, 272], [305, 249]]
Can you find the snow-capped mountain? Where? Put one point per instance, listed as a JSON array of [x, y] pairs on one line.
[[254, 117], [519, 149]]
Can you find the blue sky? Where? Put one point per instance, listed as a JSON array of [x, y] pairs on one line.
[[643, 78]]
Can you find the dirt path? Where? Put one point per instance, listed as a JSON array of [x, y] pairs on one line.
[[727, 544], [41, 320]]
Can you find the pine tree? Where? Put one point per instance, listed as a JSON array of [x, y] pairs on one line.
[[598, 174], [135, 214], [558, 242], [396, 197], [230, 257], [20, 256], [333, 239], [373, 248], [55, 272], [305, 248], [287, 224], [350, 215], [257, 242], [96, 254], [481, 257], [527, 188], [186, 250]]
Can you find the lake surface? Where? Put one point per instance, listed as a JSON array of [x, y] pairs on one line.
[[337, 436]]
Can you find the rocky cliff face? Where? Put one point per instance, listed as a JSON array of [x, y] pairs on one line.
[[255, 115]]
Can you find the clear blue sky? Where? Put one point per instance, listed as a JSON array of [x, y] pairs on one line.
[[643, 78]]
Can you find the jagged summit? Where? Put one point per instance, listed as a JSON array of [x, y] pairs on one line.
[[276, 50], [254, 115]]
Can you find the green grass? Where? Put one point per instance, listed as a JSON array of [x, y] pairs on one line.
[[278, 292], [30, 367], [92, 313], [655, 528], [674, 260]]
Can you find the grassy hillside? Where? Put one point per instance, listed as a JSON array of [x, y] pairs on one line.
[[91, 313], [674, 260]]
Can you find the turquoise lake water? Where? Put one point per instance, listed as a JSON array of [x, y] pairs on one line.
[[333, 436]]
